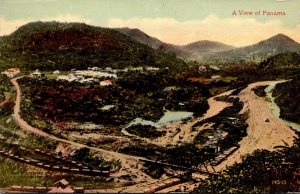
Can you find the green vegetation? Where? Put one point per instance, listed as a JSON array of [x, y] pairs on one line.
[[83, 156], [228, 121], [283, 64], [133, 95], [280, 66], [14, 173], [176, 86], [63, 46], [287, 97], [262, 171], [146, 131], [6, 100], [153, 170], [260, 91]]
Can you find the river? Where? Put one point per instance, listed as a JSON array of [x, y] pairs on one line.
[[275, 108], [168, 117]]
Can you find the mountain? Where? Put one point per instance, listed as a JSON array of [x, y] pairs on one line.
[[54, 45], [257, 52], [205, 46], [190, 51], [148, 40], [197, 50]]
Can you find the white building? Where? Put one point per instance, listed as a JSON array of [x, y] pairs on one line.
[[87, 80], [94, 73], [137, 69], [12, 72], [36, 74], [106, 83], [71, 77], [152, 68], [56, 72], [94, 68]]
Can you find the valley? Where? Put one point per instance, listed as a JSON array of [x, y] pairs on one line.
[[113, 114]]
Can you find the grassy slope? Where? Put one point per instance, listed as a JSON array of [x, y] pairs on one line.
[[52, 45]]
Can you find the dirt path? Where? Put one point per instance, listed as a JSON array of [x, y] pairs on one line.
[[130, 164], [186, 134], [265, 130]]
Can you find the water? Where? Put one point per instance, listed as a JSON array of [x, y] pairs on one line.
[[142, 122], [168, 117], [275, 109]]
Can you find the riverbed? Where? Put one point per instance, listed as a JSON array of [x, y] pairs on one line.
[[275, 108]]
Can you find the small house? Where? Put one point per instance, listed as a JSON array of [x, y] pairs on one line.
[[36, 74], [152, 68], [12, 72], [56, 72], [61, 183], [106, 83]]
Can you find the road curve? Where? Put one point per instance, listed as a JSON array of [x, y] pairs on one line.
[[24, 125], [265, 130]]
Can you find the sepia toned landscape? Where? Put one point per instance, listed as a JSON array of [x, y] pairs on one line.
[[86, 108]]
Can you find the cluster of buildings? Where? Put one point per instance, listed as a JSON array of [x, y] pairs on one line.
[[81, 79], [92, 74], [73, 78], [111, 70], [12, 72], [95, 74]]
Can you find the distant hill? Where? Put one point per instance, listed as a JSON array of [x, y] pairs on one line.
[[192, 51], [204, 46], [197, 50], [257, 52], [282, 64], [212, 52], [150, 41], [54, 45]]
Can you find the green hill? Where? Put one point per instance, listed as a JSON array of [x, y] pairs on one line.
[[288, 99], [281, 64], [257, 52], [53, 45]]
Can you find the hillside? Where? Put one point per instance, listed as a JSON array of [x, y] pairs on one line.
[[197, 50], [53, 45], [212, 52], [192, 51], [281, 64], [288, 99], [148, 40], [257, 52]]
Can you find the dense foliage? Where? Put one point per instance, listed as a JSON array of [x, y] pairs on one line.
[[287, 97], [262, 171], [260, 91], [63, 46], [146, 131], [133, 95]]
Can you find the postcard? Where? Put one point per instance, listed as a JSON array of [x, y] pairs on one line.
[[110, 96]]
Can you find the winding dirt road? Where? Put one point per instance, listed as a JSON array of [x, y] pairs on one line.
[[264, 132], [128, 161], [186, 134]]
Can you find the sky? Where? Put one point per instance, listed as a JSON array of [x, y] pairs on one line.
[[172, 21]]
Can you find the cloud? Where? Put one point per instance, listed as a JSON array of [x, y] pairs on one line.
[[236, 31], [9, 26]]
